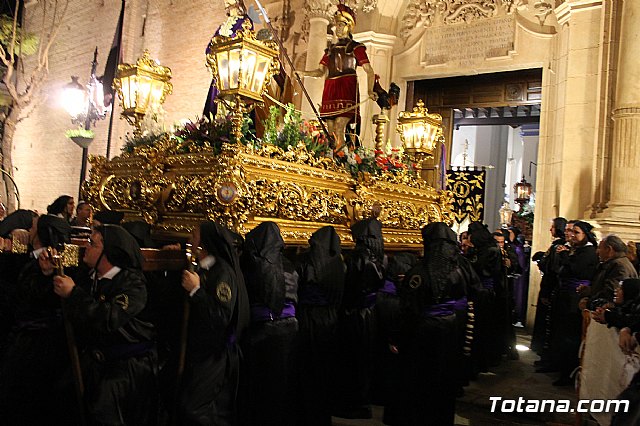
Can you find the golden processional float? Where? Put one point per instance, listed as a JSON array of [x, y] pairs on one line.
[[214, 169]]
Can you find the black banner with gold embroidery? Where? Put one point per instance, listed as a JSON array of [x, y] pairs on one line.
[[467, 186]]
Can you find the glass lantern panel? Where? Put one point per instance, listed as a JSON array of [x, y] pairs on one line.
[[223, 69], [144, 92], [128, 92], [248, 67], [260, 74], [234, 68], [157, 90]]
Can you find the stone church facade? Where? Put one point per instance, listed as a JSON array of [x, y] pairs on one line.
[[589, 150]]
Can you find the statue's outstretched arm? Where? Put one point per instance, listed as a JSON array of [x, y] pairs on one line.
[[371, 79]]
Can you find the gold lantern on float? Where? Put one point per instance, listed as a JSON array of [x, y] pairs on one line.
[[419, 131], [141, 88], [241, 66]]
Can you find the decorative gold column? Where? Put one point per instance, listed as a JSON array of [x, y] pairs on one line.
[[380, 121], [625, 153]]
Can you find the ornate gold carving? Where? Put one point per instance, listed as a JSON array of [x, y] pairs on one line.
[[175, 191]]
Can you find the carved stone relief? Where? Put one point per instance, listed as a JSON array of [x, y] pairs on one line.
[[428, 13]]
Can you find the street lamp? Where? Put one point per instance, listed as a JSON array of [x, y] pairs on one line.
[[141, 88], [85, 105], [241, 66]]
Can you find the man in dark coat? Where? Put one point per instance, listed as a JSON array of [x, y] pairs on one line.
[[219, 315], [34, 371], [614, 267], [356, 326], [322, 273], [429, 343], [15, 229], [106, 311]]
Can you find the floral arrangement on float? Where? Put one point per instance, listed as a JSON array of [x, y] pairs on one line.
[[285, 132]]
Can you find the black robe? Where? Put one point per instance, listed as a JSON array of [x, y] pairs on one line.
[[321, 272], [429, 343], [566, 318], [212, 370], [35, 381], [119, 362], [541, 336], [267, 390]]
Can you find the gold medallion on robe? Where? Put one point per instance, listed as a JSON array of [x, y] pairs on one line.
[[415, 282], [223, 292]]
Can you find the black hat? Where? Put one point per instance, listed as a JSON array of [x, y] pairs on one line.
[[109, 217], [53, 230], [141, 231], [120, 247], [20, 219]]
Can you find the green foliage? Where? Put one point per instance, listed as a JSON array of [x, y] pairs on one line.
[[26, 43], [288, 131], [80, 132]]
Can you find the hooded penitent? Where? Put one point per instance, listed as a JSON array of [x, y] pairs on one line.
[[440, 258], [263, 266], [221, 243], [328, 267], [367, 233]]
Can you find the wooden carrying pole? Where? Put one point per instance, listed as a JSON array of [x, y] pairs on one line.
[[184, 333], [71, 343]]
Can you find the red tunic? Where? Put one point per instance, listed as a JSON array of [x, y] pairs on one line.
[[341, 92]]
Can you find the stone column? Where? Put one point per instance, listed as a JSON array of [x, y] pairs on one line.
[[380, 51], [625, 154], [318, 13]]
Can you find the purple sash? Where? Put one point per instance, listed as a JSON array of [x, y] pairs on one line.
[[447, 308], [573, 284], [389, 288], [261, 313]]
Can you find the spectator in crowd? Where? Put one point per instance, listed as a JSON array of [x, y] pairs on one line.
[[83, 215], [541, 336], [614, 267], [576, 268], [63, 206]]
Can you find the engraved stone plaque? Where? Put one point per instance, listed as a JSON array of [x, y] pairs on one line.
[[468, 44]]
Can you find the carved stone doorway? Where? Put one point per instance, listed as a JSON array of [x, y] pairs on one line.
[[498, 114]]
